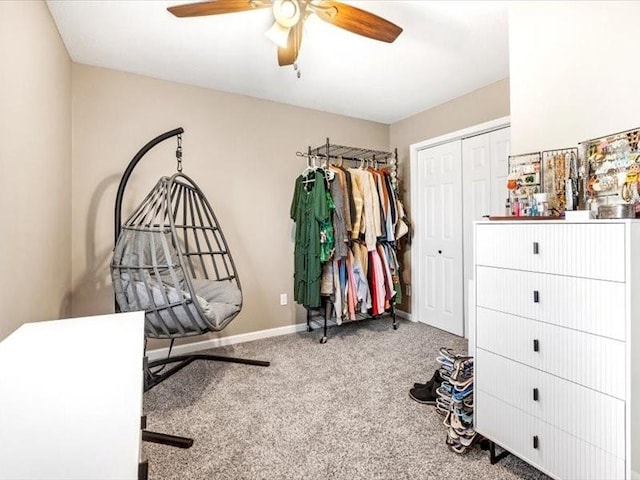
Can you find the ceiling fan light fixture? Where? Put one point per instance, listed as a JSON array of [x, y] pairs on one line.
[[286, 12], [278, 34]]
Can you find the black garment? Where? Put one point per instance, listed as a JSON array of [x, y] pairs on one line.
[[352, 205], [392, 197]]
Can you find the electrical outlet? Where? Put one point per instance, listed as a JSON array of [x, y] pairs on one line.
[[408, 289], [283, 299]]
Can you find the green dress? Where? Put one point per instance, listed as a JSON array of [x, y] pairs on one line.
[[327, 238], [308, 210]]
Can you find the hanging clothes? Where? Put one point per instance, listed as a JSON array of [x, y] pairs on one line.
[[357, 189], [368, 222], [337, 291], [346, 223], [362, 293], [338, 194], [308, 209], [327, 239], [376, 282]]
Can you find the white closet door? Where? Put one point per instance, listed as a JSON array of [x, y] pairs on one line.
[[476, 199], [500, 141], [440, 217], [485, 160]]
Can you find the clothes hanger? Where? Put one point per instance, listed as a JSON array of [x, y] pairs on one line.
[[328, 173], [309, 168]]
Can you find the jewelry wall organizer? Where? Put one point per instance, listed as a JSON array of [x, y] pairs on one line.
[[524, 178], [561, 179], [611, 169]]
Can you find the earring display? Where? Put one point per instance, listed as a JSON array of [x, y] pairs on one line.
[[560, 169], [523, 182], [611, 169]]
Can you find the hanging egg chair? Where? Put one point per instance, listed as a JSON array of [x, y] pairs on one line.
[[171, 260]]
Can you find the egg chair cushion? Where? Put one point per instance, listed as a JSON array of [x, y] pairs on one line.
[[220, 300]]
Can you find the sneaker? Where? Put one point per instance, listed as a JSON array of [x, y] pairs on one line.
[[456, 424], [444, 373], [425, 395], [460, 382], [465, 417], [462, 369], [458, 448], [447, 355], [443, 406], [444, 390], [459, 395], [468, 441]]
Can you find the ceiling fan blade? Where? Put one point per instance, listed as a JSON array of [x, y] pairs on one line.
[[356, 20], [288, 55], [216, 7]]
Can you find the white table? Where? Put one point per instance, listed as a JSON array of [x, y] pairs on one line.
[[71, 399]]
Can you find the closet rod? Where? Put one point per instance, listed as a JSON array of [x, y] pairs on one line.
[[335, 151]]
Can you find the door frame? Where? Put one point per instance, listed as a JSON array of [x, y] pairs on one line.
[[415, 185]]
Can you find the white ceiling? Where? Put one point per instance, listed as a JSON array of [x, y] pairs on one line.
[[447, 49]]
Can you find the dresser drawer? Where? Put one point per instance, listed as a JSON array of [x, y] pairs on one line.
[[593, 306], [563, 404], [589, 360], [575, 249], [558, 453]]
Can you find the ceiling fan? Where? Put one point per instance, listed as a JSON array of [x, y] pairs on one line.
[[290, 16]]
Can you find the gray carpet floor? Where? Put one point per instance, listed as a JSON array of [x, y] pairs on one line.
[[335, 411]]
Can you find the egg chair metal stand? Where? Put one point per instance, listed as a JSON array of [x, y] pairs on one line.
[[171, 260]]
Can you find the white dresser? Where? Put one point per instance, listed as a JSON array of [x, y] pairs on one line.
[[555, 318]]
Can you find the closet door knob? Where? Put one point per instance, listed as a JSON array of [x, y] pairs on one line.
[[535, 394], [535, 441], [536, 296], [536, 248], [439, 251], [536, 345]]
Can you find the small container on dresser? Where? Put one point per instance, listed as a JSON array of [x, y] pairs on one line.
[[555, 324]]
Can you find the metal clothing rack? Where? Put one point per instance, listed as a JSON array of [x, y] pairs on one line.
[[331, 151]]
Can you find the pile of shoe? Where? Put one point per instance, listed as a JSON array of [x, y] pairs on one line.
[[455, 399]]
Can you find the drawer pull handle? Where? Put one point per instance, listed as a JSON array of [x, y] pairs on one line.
[[535, 394], [535, 441], [536, 345], [536, 248], [536, 296]]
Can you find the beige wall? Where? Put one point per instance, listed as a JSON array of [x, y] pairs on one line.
[[35, 161], [240, 151], [477, 107], [574, 72]]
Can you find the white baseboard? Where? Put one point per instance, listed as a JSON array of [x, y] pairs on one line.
[[187, 348], [223, 341], [405, 315]]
